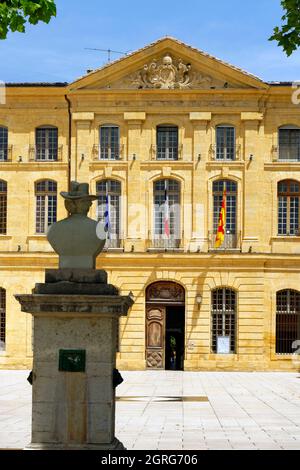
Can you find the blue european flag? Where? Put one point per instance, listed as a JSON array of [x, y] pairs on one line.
[[107, 226]]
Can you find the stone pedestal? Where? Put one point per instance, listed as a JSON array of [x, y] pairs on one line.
[[75, 339]]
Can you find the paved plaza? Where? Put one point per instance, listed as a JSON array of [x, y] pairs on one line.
[[181, 410]]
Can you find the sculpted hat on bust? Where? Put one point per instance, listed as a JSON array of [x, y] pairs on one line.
[[78, 191]]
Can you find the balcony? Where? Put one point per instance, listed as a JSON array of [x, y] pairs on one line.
[[286, 153], [45, 154], [114, 243], [6, 154], [222, 153], [232, 242], [166, 153], [101, 152], [158, 242]]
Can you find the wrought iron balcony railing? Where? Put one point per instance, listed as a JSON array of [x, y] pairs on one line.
[[45, 154], [286, 153], [166, 152], [228, 153], [161, 242], [6, 153], [114, 242], [106, 152], [232, 241]]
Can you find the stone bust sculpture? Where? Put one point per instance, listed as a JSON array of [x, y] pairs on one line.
[[75, 238]]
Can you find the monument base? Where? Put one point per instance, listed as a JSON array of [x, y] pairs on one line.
[[115, 445]]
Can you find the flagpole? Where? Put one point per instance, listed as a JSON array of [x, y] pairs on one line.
[[225, 200]]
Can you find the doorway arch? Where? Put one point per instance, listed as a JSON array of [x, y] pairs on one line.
[[165, 325]]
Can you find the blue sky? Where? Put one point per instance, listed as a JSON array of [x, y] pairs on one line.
[[233, 30]]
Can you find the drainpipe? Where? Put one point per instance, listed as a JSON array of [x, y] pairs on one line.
[[69, 141]]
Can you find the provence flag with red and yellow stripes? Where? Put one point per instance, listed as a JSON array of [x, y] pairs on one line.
[[222, 222]]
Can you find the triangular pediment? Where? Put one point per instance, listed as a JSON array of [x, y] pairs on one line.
[[167, 64]]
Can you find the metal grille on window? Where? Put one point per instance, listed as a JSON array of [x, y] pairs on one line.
[[3, 207], [287, 321], [231, 207], [166, 192], [109, 210], [46, 140], [167, 143], [109, 143], [288, 207], [2, 318], [224, 321], [3, 143], [46, 205], [289, 144], [225, 145]]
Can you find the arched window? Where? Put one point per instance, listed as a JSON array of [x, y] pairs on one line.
[[166, 214], [223, 320], [225, 143], [288, 207], [230, 240], [109, 142], [287, 321], [167, 142], [109, 210], [289, 143], [3, 144], [46, 143], [46, 204], [3, 207], [2, 318]]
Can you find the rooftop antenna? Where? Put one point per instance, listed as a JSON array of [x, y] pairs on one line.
[[108, 51]]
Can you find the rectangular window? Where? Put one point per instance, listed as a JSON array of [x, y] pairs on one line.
[[225, 148], [47, 144], [3, 144], [2, 318], [109, 143], [289, 144], [3, 213], [223, 319], [167, 143], [287, 321], [230, 213], [288, 215], [46, 210]]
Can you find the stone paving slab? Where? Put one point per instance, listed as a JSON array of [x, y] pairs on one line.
[[253, 411]]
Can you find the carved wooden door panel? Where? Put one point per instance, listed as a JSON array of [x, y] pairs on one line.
[[155, 337]]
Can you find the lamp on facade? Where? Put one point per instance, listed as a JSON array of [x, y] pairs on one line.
[[198, 299], [251, 157]]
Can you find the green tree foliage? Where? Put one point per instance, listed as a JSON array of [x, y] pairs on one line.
[[288, 35], [14, 14]]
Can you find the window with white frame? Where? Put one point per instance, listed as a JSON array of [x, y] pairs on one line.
[[225, 143], [46, 143], [288, 207], [46, 205], [230, 239], [287, 321], [3, 144], [223, 320], [289, 143], [109, 142], [2, 318], [109, 210], [3, 207], [167, 212], [167, 142]]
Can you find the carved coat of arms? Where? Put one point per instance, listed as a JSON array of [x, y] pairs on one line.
[[167, 75]]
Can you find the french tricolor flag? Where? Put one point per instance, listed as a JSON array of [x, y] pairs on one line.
[[166, 216]]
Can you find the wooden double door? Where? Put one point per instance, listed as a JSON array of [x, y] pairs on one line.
[[165, 337]]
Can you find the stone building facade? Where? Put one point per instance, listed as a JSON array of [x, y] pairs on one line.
[[158, 135]]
